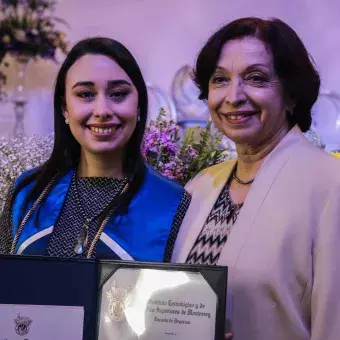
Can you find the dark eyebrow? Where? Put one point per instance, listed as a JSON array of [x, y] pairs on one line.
[[119, 82], [83, 83], [112, 83], [250, 67]]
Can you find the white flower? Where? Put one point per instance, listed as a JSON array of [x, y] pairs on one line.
[[19, 155], [20, 35]]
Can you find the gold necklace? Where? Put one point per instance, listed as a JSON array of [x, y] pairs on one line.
[[30, 212]]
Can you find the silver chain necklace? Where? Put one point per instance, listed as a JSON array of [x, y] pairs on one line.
[[83, 236]]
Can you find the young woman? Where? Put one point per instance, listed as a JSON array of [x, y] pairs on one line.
[[95, 197]]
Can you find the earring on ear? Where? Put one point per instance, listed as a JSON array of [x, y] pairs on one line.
[[64, 114], [138, 115], [290, 110]]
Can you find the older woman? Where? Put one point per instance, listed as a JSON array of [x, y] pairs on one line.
[[273, 215]]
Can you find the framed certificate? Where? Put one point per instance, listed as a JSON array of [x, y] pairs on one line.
[[75, 299], [160, 301]]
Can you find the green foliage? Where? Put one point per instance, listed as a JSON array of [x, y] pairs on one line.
[[207, 145]]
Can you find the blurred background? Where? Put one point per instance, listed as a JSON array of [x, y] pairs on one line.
[[165, 37]]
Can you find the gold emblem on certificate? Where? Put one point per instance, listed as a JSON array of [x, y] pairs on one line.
[[118, 299]]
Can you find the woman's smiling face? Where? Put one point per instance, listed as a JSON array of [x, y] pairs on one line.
[[101, 104], [246, 99]]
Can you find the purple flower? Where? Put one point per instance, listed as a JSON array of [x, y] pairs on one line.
[[168, 173]]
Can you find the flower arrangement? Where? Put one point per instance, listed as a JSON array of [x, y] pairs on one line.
[[27, 27], [28, 30], [181, 160], [199, 149]]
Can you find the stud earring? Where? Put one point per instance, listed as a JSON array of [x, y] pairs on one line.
[[67, 121], [138, 115]]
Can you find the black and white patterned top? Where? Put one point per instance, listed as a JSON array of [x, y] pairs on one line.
[[94, 194], [216, 230]]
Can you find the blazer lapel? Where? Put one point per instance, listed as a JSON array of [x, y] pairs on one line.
[[265, 178], [205, 194]]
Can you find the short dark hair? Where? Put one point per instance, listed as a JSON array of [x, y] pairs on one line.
[[293, 65]]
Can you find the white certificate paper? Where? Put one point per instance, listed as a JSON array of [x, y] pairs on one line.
[[33, 322], [148, 304]]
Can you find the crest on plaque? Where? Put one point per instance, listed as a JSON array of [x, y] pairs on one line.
[[22, 324], [118, 299]]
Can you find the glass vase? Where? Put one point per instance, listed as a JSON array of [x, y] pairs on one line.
[[19, 98]]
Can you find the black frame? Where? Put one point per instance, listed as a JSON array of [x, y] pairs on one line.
[[216, 277]]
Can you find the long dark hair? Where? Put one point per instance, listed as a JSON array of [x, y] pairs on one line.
[[293, 64], [66, 150]]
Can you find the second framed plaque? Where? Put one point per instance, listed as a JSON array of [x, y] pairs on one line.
[[160, 301]]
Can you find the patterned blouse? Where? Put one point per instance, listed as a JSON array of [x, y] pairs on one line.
[[94, 194], [216, 230]]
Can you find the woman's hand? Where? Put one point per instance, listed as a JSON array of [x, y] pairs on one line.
[[229, 336]]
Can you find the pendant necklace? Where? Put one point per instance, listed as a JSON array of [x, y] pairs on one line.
[[83, 236]]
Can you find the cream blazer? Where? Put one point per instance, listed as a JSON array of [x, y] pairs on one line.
[[283, 252]]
